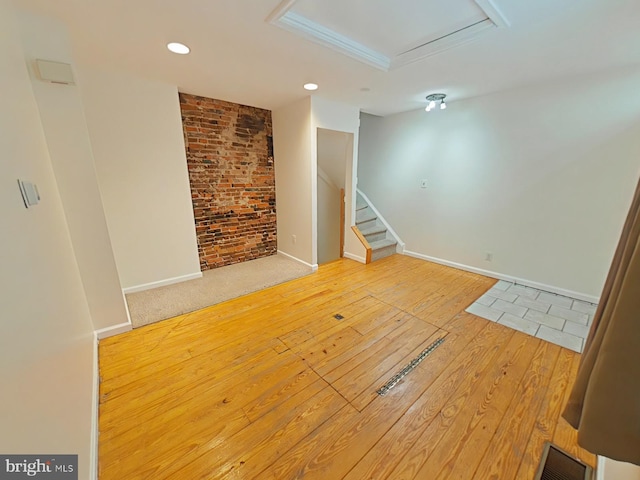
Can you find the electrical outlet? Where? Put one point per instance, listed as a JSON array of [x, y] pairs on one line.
[[423, 183], [294, 239], [488, 257]]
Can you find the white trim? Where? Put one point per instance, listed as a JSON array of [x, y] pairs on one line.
[[318, 33], [442, 44], [509, 278], [357, 258], [401, 245], [284, 17], [314, 268], [162, 283], [600, 467], [494, 13], [126, 308], [95, 395], [283, 7], [119, 328], [114, 330]]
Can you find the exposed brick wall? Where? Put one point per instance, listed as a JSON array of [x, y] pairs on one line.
[[230, 161]]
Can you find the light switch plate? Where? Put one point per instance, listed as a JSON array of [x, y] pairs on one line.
[[55, 72], [29, 192]]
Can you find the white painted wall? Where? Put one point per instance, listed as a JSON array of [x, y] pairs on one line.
[[295, 180], [541, 176], [62, 116], [334, 149], [46, 333], [328, 219], [612, 470], [135, 128], [331, 115]]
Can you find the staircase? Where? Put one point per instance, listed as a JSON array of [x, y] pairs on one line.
[[373, 230]]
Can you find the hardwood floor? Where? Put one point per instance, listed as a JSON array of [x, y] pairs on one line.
[[272, 386]]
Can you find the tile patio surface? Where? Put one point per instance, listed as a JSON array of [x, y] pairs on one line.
[[561, 320]]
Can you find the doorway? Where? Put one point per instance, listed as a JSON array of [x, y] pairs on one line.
[[335, 155]]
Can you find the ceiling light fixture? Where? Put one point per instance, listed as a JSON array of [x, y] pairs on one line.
[[311, 86], [179, 48], [433, 98]]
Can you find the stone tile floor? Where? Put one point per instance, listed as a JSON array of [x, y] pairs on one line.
[[561, 320]]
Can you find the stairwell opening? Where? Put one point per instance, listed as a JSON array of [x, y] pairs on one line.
[[335, 157]]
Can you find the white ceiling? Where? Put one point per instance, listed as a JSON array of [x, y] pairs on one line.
[[237, 55]]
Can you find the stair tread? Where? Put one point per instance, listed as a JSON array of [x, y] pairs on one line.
[[374, 229], [366, 218], [361, 206], [385, 242]]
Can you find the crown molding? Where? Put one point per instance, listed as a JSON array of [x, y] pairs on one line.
[[315, 32], [494, 13], [443, 43], [284, 17]]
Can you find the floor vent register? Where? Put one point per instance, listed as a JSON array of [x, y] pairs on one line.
[[559, 465], [409, 367]]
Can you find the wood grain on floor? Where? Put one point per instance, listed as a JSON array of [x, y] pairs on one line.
[[273, 386]]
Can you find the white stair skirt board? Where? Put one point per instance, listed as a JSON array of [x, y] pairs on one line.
[[162, 283], [314, 268]]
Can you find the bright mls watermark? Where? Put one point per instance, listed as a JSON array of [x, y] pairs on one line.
[[49, 467]]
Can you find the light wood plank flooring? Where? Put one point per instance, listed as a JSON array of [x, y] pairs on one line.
[[272, 386]]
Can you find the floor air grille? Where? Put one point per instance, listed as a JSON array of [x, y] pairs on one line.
[[393, 381], [558, 465]]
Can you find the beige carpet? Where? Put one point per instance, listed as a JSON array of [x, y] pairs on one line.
[[215, 286]]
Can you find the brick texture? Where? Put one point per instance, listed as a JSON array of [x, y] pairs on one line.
[[230, 161]]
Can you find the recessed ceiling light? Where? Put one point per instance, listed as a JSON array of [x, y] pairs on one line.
[[179, 48], [310, 86]]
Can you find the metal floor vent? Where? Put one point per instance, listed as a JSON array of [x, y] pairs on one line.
[[556, 464], [409, 367]]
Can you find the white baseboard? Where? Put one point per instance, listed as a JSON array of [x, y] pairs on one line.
[[508, 278], [600, 467], [93, 460], [357, 258], [126, 308], [162, 283], [314, 268], [119, 328], [114, 330]]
